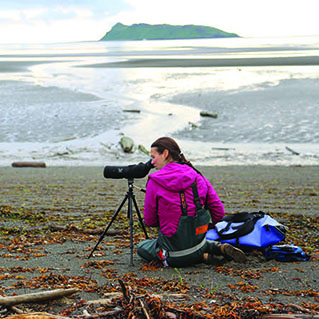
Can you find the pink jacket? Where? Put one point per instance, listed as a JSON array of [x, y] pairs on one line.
[[162, 205]]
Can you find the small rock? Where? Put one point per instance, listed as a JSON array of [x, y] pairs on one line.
[[192, 125], [143, 149], [127, 144]]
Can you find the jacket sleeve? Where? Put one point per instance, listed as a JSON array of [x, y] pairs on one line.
[[214, 205], [150, 205]]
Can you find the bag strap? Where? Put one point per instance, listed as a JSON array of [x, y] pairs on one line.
[[249, 220], [242, 217], [197, 201], [183, 203]]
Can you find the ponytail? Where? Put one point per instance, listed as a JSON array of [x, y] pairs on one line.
[[167, 143]]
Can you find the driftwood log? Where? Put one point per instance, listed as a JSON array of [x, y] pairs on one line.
[[28, 164], [36, 315], [36, 297]]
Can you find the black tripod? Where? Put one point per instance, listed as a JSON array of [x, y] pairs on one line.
[[131, 198]]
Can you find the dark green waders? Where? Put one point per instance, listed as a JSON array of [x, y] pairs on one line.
[[187, 246]]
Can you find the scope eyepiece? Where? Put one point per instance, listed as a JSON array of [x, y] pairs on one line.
[[131, 171]]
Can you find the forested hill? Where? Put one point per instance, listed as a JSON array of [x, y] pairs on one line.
[[144, 31]]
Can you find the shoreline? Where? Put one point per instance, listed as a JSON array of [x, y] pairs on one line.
[[212, 62], [169, 62]]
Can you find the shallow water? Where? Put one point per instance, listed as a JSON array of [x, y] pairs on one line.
[[65, 113]]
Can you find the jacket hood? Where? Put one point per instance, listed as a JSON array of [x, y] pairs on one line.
[[174, 177]]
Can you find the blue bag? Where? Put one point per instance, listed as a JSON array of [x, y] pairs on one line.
[[286, 253], [255, 230]]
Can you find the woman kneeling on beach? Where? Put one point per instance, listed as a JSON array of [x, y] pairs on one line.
[[174, 200]]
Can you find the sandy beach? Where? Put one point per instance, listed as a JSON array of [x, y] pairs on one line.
[[36, 255]]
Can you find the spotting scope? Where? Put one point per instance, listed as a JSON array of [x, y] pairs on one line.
[[131, 171]]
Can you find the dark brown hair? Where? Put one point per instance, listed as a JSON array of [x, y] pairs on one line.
[[167, 143]]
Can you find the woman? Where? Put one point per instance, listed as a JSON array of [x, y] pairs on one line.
[[174, 200]]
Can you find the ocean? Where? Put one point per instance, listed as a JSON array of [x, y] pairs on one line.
[[70, 103]]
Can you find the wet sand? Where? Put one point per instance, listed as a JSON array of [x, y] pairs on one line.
[[211, 62], [19, 66]]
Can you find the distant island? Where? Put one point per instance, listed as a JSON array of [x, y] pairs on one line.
[[144, 31]]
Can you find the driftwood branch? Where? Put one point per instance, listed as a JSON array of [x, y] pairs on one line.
[[144, 309], [124, 291], [292, 151], [170, 296], [38, 315], [36, 297], [105, 300], [110, 314], [306, 313], [28, 164], [11, 308], [84, 231]]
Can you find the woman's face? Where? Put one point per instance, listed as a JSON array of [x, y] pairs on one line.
[[158, 160]]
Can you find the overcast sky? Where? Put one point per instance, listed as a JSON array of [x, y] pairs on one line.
[[36, 21]]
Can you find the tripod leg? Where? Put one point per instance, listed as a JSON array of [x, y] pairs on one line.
[[109, 225], [140, 217], [131, 228]]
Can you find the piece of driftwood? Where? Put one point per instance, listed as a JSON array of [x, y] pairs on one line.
[[36, 297], [73, 228], [104, 301], [12, 308], [292, 151], [207, 114], [144, 304], [306, 313], [36, 315], [132, 111], [28, 164], [106, 314], [171, 295]]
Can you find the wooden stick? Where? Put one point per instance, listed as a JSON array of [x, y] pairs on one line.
[[124, 291], [292, 151], [28, 164], [144, 309], [110, 313], [36, 297], [39, 315]]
